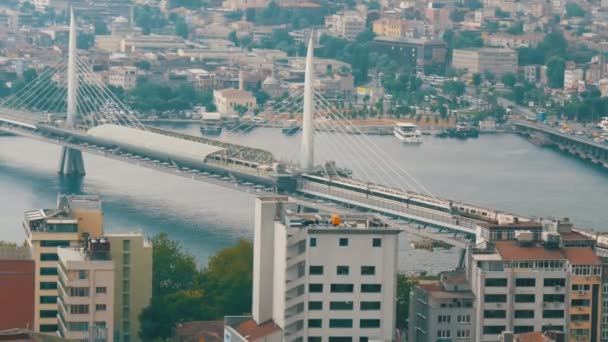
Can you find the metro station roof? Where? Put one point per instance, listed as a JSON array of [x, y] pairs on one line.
[[153, 141]]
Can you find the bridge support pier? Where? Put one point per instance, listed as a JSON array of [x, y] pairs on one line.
[[71, 162]]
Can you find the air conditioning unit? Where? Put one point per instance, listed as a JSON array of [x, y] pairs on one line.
[[581, 292], [499, 305], [557, 288], [545, 305]]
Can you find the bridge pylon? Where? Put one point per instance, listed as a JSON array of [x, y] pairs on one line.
[[71, 162]]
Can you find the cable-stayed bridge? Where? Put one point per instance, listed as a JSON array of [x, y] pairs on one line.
[[70, 106]]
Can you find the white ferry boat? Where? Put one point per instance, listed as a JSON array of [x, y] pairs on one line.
[[407, 132]]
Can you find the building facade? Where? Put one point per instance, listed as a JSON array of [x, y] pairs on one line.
[[229, 100], [48, 229], [17, 281], [425, 55], [321, 277], [86, 292], [124, 77], [132, 256], [497, 61], [346, 25]]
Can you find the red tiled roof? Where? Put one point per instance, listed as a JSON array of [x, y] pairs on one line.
[[510, 250], [573, 236], [251, 331], [431, 287], [581, 256], [534, 336]]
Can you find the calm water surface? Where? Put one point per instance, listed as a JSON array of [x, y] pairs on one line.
[[501, 171]]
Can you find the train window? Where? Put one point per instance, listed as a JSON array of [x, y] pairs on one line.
[[461, 208], [484, 214], [473, 211]]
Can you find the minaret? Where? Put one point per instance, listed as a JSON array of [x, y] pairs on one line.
[[307, 162], [71, 162]]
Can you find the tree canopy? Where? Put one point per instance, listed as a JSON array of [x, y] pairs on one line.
[[555, 72]]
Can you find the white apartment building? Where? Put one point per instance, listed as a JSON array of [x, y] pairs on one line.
[[346, 25], [497, 61], [86, 292], [572, 77], [124, 77], [322, 277], [527, 285]]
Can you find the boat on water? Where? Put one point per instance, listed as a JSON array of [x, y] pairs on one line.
[[211, 124], [465, 130], [290, 127], [407, 133], [230, 121]]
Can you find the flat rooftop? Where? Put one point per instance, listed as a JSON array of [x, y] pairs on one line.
[[513, 251], [327, 221]]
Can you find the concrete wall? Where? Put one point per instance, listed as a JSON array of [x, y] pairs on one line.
[[17, 280]]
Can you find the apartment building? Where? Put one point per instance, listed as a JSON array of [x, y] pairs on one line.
[[391, 27], [442, 310], [47, 229], [497, 61], [528, 284], [124, 77], [572, 76], [17, 280], [132, 256], [321, 277], [86, 292], [346, 25]]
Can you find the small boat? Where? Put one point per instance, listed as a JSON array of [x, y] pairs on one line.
[[407, 133], [211, 124], [290, 127]]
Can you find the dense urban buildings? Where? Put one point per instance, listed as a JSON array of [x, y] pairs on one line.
[[496, 61]]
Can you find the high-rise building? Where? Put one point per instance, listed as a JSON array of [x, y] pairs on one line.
[[132, 256], [321, 277], [17, 279], [47, 229], [86, 292]]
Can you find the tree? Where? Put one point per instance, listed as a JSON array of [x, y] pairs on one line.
[[172, 269], [404, 287], [477, 79], [85, 41], [555, 72], [240, 109], [574, 10], [509, 79], [233, 38], [454, 88], [7, 244], [489, 76], [143, 65], [29, 75], [181, 28], [101, 28]]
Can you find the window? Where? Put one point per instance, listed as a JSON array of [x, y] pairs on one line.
[[82, 274], [368, 270], [525, 282], [493, 329], [581, 302], [48, 270], [553, 298], [369, 323], [100, 307], [552, 328], [463, 319], [341, 305], [463, 333], [520, 329], [315, 270], [524, 313], [126, 259], [49, 257], [376, 242], [48, 299], [48, 327], [48, 313], [524, 298], [553, 313], [494, 314], [54, 243], [79, 309], [551, 282], [580, 287], [78, 326], [443, 333], [343, 242], [79, 291], [498, 282], [315, 305], [495, 298], [48, 285], [342, 288], [126, 245], [363, 339], [443, 319], [371, 288], [365, 306], [579, 317], [99, 290], [315, 339], [340, 323], [315, 287], [342, 270], [313, 242], [340, 339], [315, 323]]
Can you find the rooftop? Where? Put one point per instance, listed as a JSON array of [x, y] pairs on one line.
[[195, 331], [251, 331], [327, 222], [436, 290], [511, 250], [231, 92]]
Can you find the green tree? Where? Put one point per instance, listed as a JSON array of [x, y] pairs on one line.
[[233, 38], [454, 88], [574, 10], [477, 79], [404, 287], [101, 28], [29, 75], [240, 109], [173, 269], [143, 65], [85, 41], [7, 244], [488, 76], [181, 28], [509, 79], [555, 72]]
